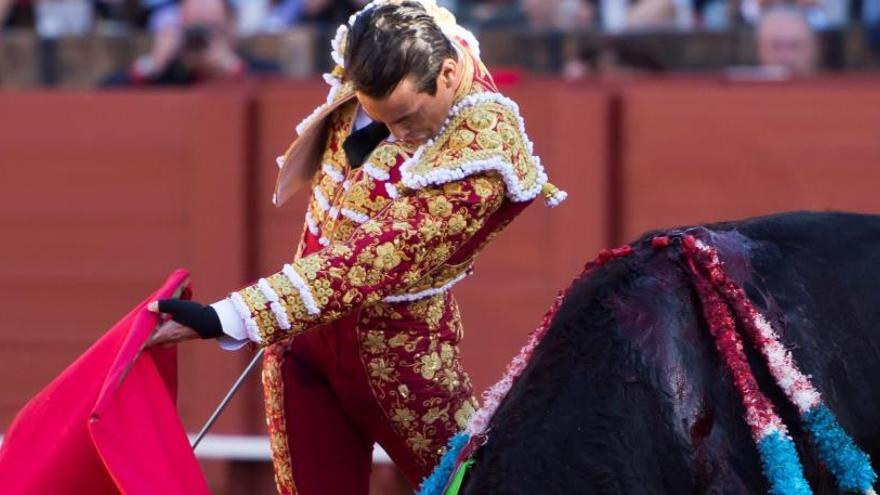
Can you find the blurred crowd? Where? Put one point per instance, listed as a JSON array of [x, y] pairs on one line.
[[196, 39], [55, 17]]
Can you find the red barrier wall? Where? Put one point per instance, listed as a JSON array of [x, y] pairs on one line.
[[103, 195], [702, 151]]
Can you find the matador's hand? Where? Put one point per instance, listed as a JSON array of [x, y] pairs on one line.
[[189, 320]]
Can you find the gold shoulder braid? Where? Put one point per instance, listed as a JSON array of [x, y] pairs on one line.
[[484, 132]]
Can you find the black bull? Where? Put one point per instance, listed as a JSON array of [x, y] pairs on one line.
[[626, 393]]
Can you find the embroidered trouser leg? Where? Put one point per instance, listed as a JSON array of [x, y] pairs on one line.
[[329, 454], [410, 357], [335, 412], [365, 408]]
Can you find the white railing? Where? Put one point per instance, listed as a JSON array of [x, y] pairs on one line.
[[248, 448]]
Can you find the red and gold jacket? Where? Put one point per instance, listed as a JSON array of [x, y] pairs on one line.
[[386, 241], [408, 223]]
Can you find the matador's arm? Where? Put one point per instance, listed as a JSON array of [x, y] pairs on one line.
[[410, 237]]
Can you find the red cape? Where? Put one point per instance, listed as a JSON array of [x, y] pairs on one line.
[[108, 424]]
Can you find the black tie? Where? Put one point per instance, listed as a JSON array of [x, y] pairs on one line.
[[362, 142]]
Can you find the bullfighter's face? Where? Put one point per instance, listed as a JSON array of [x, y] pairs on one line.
[[411, 115]]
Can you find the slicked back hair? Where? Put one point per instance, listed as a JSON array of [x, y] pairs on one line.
[[391, 42]]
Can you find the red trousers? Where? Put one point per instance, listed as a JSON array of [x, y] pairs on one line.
[[333, 416], [386, 374]]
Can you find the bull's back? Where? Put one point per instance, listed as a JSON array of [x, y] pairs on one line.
[[626, 393]]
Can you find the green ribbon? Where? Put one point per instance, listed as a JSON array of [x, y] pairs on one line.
[[458, 478]]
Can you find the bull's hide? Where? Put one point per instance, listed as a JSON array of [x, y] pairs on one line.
[[626, 392]]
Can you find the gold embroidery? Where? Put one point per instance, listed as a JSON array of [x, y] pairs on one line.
[[440, 206], [489, 141], [430, 397], [461, 139], [385, 156], [402, 248], [374, 343], [481, 120], [387, 256], [357, 276], [497, 137], [464, 413], [436, 413], [380, 369], [483, 187], [457, 224], [273, 384], [402, 210], [404, 415], [429, 364]]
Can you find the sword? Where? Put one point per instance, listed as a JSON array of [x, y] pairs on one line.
[[228, 398]]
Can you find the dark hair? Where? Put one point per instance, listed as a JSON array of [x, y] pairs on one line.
[[390, 42]]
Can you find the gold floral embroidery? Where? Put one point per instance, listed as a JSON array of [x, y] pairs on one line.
[[440, 206], [380, 369], [402, 210], [419, 443], [451, 189], [404, 415], [273, 384], [358, 193], [436, 413], [387, 256], [430, 228], [372, 227], [403, 390], [340, 250], [431, 396], [483, 187], [357, 275], [333, 158], [464, 413], [374, 343], [457, 224], [461, 139], [481, 120], [489, 140], [507, 133], [398, 340], [310, 266], [428, 365], [440, 253], [385, 156], [497, 136]]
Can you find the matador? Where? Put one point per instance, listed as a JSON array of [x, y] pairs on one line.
[[415, 162]]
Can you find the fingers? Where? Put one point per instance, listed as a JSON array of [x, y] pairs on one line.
[[167, 331], [153, 306], [170, 333]]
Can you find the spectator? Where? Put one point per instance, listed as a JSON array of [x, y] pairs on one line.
[[786, 42], [325, 12], [620, 15], [558, 14], [536, 14], [646, 14], [870, 17], [200, 48], [820, 14], [153, 15], [612, 61], [7, 8], [490, 13]]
